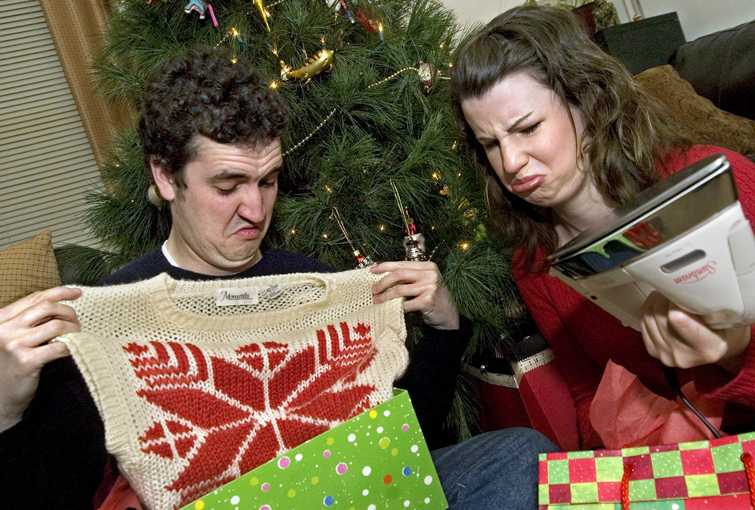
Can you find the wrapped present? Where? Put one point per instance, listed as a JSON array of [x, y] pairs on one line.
[[716, 474], [378, 459], [523, 387]]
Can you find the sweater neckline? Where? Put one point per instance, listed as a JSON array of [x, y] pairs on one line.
[[165, 290]]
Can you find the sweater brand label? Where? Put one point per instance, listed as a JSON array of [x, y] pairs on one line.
[[235, 296]]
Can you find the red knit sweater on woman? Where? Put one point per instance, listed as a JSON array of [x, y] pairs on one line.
[[584, 337]]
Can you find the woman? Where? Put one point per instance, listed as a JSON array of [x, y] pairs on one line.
[[566, 136]]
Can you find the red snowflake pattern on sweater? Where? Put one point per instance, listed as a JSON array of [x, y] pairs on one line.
[[223, 417]]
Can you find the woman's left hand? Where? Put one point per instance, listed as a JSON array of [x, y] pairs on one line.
[[422, 286], [682, 339]]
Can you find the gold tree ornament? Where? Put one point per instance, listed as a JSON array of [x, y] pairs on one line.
[[320, 62], [264, 13], [154, 197]]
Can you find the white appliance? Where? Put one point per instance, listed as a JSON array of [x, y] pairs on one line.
[[685, 237]]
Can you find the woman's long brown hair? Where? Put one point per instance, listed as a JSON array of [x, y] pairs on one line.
[[626, 131]]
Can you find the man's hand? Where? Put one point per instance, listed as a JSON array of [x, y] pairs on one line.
[[422, 286], [26, 328], [682, 339]]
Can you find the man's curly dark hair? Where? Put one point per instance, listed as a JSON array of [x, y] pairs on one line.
[[204, 93]]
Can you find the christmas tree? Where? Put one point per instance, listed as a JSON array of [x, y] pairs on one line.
[[371, 153]]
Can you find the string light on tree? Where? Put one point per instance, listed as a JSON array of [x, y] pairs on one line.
[[234, 36], [234, 42]]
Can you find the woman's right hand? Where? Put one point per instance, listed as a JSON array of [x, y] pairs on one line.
[[26, 328], [682, 339]]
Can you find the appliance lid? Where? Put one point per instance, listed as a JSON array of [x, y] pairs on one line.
[[656, 215]]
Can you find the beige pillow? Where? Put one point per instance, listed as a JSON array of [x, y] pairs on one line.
[[27, 267], [704, 123]]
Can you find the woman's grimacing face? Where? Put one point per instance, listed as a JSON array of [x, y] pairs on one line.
[[527, 134]]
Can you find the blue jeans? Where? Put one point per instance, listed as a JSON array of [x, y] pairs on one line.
[[492, 471]]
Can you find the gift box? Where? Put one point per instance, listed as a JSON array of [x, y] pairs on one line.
[[686, 476], [376, 460]]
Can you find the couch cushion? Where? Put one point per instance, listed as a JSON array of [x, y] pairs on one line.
[[721, 67], [27, 267], [704, 123]]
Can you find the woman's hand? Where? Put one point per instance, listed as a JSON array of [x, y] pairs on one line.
[[682, 339], [26, 328], [422, 286]]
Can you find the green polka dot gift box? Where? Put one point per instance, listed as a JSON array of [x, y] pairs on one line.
[[702, 475], [377, 460]]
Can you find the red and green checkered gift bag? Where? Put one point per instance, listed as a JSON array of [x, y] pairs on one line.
[[710, 475]]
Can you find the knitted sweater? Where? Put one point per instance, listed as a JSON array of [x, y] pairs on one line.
[[200, 382], [55, 457], [584, 337]]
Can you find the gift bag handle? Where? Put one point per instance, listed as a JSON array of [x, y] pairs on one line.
[[750, 474]]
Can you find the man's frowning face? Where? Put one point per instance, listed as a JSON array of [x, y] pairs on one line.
[[222, 214]]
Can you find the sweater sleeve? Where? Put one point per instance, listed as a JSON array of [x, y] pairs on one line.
[[430, 378], [55, 457], [713, 380], [580, 375]]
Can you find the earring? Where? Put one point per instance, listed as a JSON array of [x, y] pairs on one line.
[[154, 197]]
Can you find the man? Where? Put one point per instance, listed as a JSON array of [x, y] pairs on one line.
[[211, 135]]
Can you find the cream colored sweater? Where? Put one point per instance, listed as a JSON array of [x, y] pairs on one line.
[[199, 382]]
